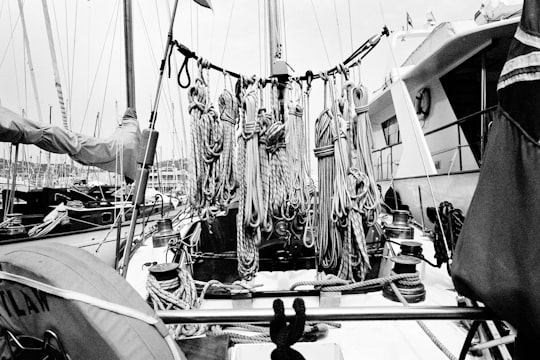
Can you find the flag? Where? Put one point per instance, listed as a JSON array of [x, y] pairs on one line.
[[205, 3], [431, 18], [409, 21]]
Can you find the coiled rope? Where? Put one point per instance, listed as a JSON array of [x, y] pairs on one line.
[[228, 107], [248, 218], [180, 293], [264, 121], [324, 152], [207, 145], [370, 203], [57, 216]]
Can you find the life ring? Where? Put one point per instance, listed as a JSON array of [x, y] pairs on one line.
[[85, 328], [422, 103]]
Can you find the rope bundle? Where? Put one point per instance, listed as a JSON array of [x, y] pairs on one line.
[[279, 171], [178, 293], [324, 151], [249, 210], [207, 145], [228, 107], [296, 150], [343, 136]]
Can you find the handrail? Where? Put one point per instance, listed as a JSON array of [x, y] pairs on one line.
[[462, 120], [367, 313], [457, 122]]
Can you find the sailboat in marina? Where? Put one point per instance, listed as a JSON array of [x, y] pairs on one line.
[[82, 217], [270, 263]]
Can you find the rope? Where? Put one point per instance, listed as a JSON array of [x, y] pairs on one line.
[[341, 234], [228, 107], [279, 179], [324, 151], [451, 221], [301, 187], [207, 145], [178, 293], [334, 284], [247, 220], [423, 326], [264, 121], [50, 222]]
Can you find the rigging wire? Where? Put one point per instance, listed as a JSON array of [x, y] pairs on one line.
[[99, 63], [13, 27], [110, 61], [260, 40], [168, 96], [320, 32], [14, 58], [182, 118], [225, 47], [2, 9], [338, 30], [73, 59], [284, 25], [394, 63], [350, 25], [62, 63]]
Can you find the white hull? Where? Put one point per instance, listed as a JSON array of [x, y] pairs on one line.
[[457, 188]]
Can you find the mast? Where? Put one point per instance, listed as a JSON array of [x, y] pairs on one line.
[[55, 64], [128, 44], [278, 66], [149, 139], [130, 102], [30, 63]]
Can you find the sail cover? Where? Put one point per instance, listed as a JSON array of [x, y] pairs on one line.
[[498, 253], [86, 150]]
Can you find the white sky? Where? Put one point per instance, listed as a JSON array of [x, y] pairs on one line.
[[81, 37]]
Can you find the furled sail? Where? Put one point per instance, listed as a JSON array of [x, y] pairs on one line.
[[497, 254], [87, 150]]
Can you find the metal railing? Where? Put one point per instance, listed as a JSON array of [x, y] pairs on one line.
[[384, 169], [369, 313]]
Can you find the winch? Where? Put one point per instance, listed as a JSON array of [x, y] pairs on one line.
[[400, 228], [405, 263]]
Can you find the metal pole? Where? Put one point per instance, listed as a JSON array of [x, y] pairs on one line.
[[143, 175], [329, 314], [30, 63], [128, 47], [483, 95], [421, 209], [13, 181]]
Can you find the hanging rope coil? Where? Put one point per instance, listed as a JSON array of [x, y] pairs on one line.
[[250, 201], [228, 107], [207, 145], [370, 205], [299, 196], [264, 121], [324, 151], [279, 171]]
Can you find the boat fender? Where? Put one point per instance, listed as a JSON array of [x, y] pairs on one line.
[[422, 103], [94, 312]]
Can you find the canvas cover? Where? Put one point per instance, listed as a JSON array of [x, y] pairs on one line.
[[498, 253], [86, 331], [87, 150]]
